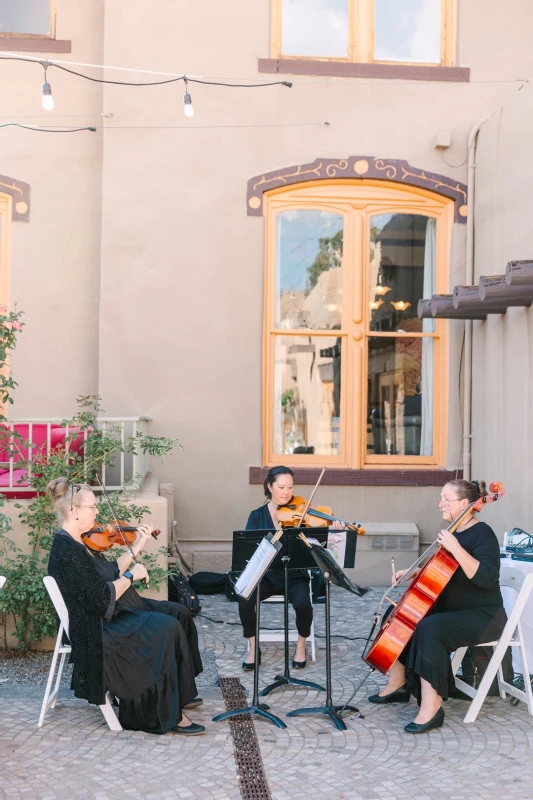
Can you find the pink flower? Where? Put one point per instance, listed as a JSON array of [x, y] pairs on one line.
[[16, 325], [3, 309]]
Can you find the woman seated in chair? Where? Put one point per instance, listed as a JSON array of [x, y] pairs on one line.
[[278, 486], [145, 652], [468, 612]]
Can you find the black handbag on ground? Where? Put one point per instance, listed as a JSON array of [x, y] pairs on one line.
[[181, 591], [208, 582]]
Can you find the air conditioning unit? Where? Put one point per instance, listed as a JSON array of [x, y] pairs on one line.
[[382, 542]]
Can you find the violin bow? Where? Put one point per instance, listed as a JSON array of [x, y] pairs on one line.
[[317, 484], [111, 509]]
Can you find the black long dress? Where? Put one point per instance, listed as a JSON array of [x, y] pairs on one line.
[[469, 612], [135, 648]]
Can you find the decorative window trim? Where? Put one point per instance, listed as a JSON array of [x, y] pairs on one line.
[[363, 477], [352, 69], [392, 197], [34, 44], [20, 192], [358, 167], [361, 19]]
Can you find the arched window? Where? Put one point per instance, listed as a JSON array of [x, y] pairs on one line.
[[352, 376]]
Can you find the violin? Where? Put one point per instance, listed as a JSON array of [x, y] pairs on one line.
[[421, 595], [292, 515], [104, 537]]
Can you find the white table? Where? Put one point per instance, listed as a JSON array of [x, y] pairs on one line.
[[509, 596]]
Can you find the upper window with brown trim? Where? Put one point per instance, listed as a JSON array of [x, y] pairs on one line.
[[366, 31], [27, 18]]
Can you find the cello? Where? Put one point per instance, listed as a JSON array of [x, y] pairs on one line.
[[421, 595]]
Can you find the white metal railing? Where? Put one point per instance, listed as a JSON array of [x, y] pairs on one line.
[[49, 433]]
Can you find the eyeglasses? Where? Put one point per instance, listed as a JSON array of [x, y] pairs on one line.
[[93, 507], [445, 501]]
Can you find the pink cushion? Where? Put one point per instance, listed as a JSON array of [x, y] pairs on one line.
[[39, 435], [17, 475]]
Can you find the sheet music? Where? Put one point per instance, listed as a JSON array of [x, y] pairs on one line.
[[256, 568]]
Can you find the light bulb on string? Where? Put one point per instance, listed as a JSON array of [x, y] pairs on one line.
[[48, 100], [188, 109]]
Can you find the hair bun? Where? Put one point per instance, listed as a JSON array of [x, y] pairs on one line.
[[58, 487]]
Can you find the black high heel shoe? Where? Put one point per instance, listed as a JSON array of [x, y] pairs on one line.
[[421, 727], [400, 695], [250, 667], [299, 664]]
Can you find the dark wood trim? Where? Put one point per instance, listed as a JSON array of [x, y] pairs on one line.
[[364, 477], [357, 168], [20, 192], [35, 44], [350, 69]]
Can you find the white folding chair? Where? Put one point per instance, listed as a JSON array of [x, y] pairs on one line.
[[64, 650], [512, 636], [278, 634], [2, 581]]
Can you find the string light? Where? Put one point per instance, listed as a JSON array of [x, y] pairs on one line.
[[188, 109], [48, 100]]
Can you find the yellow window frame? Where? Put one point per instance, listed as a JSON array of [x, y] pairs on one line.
[[361, 34], [358, 201]]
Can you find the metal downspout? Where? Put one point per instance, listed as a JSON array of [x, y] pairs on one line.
[[469, 280]]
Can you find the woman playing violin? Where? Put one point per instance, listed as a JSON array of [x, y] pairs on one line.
[[468, 612], [278, 487], [145, 652]]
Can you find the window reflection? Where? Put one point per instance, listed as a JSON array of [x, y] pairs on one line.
[[307, 395], [407, 31], [400, 396], [315, 28], [25, 17], [402, 270], [308, 269]]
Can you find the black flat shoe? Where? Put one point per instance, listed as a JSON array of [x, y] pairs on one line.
[[299, 664], [434, 722], [250, 667], [197, 701], [400, 695], [190, 730]]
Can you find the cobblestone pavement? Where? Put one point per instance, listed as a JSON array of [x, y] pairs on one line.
[[75, 755]]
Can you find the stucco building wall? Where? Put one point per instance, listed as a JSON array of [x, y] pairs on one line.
[[503, 345]]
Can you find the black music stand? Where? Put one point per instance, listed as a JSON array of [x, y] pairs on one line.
[[332, 574], [257, 708], [295, 551]]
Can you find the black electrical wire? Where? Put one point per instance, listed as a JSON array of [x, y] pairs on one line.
[[44, 130], [47, 64]]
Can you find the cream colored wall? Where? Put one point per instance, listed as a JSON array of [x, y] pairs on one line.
[[503, 345], [181, 281], [56, 256]]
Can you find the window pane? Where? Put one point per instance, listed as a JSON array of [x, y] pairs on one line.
[[402, 270], [407, 31], [315, 28], [308, 270], [400, 396], [307, 395], [25, 16]]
